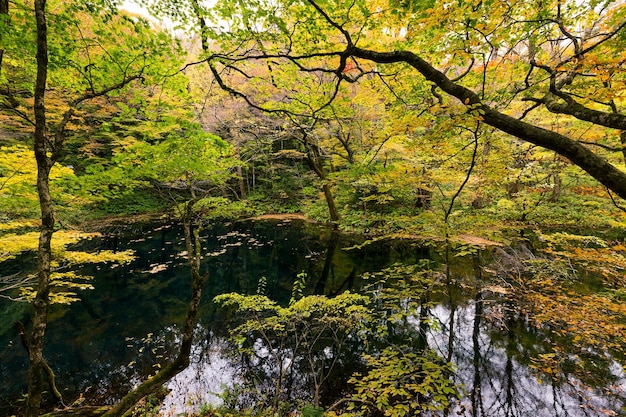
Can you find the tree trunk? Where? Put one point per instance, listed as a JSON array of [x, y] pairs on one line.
[[330, 201], [44, 255], [315, 163], [4, 12], [193, 246], [557, 184], [240, 180]]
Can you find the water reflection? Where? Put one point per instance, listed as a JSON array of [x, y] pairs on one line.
[[210, 372], [494, 349], [121, 332], [497, 384]]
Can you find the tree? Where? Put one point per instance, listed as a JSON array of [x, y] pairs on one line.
[[77, 71], [188, 166], [308, 338], [4, 12], [566, 71]]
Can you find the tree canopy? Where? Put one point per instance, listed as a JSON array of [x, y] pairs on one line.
[[497, 63], [427, 118]]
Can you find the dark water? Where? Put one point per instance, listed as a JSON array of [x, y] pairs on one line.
[[118, 333]]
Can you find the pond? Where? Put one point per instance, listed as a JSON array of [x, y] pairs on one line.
[[126, 328]]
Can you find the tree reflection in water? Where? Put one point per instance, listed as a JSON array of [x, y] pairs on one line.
[[485, 331], [510, 358], [496, 351]]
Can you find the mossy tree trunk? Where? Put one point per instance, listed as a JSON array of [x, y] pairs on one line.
[[4, 12], [316, 164], [149, 386], [47, 146], [44, 255]]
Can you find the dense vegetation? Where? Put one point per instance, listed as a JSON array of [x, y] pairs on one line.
[[430, 119]]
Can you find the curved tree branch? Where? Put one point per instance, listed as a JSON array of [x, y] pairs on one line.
[[594, 165], [571, 107]]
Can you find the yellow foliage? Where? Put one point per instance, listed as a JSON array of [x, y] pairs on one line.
[[18, 175], [4, 227], [13, 244], [77, 257], [64, 283]]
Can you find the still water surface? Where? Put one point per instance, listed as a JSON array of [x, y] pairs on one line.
[[118, 333]]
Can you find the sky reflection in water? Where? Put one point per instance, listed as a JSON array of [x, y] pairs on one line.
[[108, 342]]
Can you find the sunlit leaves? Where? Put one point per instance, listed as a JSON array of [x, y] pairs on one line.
[[65, 281], [18, 195], [307, 337], [401, 383], [186, 154], [343, 312]]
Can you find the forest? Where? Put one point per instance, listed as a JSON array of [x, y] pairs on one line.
[[490, 134]]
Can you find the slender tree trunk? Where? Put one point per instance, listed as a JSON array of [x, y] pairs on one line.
[[4, 12], [44, 255], [240, 179], [330, 201], [476, 397], [557, 183], [193, 246], [315, 163]]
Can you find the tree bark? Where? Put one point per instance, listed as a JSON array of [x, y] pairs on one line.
[[596, 166], [622, 138], [47, 150], [85, 411], [193, 246], [42, 300], [330, 202], [567, 105], [4, 14], [315, 163]]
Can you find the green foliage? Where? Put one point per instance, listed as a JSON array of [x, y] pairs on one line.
[[401, 383], [297, 292], [307, 337], [401, 379], [214, 208], [346, 312], [260, 290], [309, 410], [133, 201], [399, 292]]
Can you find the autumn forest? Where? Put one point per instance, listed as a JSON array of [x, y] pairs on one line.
[[489, 134]]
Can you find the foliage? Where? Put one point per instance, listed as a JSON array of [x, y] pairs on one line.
[[64, 280], [312, 332], [94, 57], [403, 383], [18, 195], [307, 337], [570, 295], [399, 293], [384, 136], [340, 118]]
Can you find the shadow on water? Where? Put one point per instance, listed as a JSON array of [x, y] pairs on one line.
[[123, 330]]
